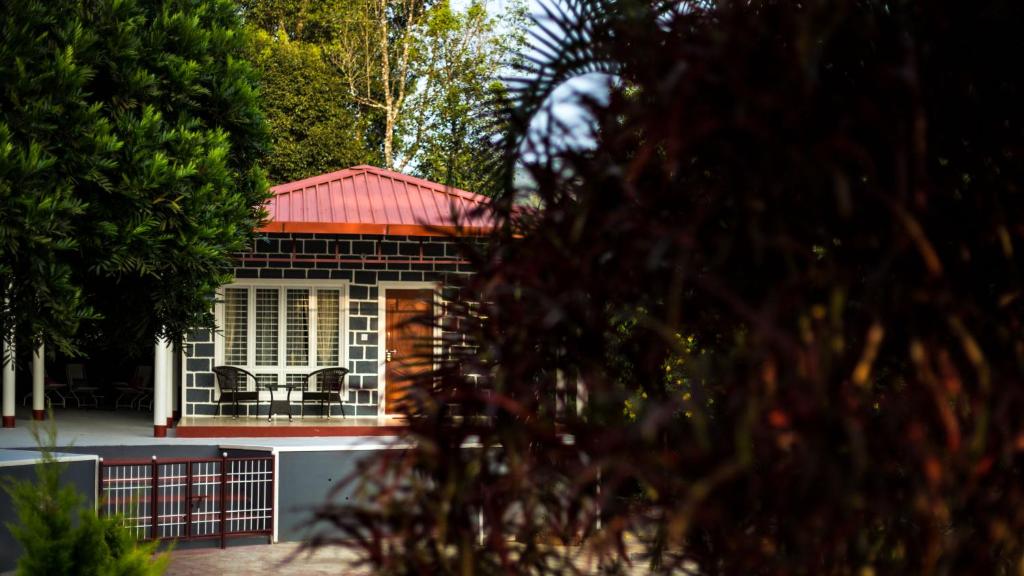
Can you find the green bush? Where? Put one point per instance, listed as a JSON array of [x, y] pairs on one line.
[[54, 544]]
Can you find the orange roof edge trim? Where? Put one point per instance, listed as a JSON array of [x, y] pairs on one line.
[[378, 229]]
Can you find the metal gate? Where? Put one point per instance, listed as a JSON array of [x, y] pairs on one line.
[[193, 499]]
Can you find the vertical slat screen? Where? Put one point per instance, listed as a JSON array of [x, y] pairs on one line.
[[328, 324], [236, 318]]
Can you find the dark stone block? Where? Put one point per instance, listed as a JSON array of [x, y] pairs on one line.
[[358, 292], [433, 249], [389, 248], [445, 267], [194, 395], [364, 247], [432, 277], [267, 245], [355, 352], [367, 308], [366, 410], [296, 274], [318, 274], [371, 340], [303, 264], [247, 273], [197, 364], [375, 266], [302, 235], [366, 277], [366, 367], [399, 266], [341, 274], [342, 247], [409, 249], [199, 336], [452, 249], [327, 265], [351, 397], [373, 324], [204, 380], [202, 350], [314, 247], [357, 323], [371, 353], [412, 276], [203, 409], [423, 267], [279, 264], [387, 276], [370, 382], [363, 397]]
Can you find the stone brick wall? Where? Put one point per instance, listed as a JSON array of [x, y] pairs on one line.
[[364, 261]]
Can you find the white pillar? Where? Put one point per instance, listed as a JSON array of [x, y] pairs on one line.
[[169, 366], [176, 403], [38, 374], [160, 389], [8, 392]]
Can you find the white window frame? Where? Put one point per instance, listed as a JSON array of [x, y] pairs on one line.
[[281, 369], [382, 288]]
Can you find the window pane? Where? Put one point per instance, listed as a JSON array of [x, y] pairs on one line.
[[328, 323], [266, 326], [297, 342], [236, 318]]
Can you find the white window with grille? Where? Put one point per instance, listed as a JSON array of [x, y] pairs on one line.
[[281, 330]]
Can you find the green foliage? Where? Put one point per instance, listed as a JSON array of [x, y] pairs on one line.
[[55, 545], [827, 196], [130, 139], [464, 54], [313, 129], [411, 86]]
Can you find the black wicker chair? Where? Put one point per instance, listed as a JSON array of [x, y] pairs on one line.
[[232, 381], [330, 386]]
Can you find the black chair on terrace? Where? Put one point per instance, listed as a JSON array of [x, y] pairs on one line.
[[329, 386], [233, 383]]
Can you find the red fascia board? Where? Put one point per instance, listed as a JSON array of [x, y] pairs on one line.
[[380, 229]]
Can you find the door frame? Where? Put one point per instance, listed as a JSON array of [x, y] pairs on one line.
[[382, 327]]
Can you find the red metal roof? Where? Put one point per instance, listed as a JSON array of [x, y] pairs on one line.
[[369, 200]]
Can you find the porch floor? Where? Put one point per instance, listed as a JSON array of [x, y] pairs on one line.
[[81, 428], [280, 426]]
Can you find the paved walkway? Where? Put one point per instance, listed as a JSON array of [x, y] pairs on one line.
[[279, 559]]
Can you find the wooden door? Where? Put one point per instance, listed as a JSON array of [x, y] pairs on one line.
[[408, 346]]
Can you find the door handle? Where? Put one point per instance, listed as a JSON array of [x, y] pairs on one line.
[[389, 354]]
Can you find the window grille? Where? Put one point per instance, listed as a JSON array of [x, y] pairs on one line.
[[236, 319], [266, 326], [297, 336]]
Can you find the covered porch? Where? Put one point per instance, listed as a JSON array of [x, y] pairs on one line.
[[83, 428]]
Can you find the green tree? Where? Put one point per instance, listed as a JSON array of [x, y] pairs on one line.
[[451, 133], [826, 196], [130, 142], [55, 544], [313, 130], [419, 75]]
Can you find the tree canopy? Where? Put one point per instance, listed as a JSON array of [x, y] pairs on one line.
[[313, 128], [130, 142], [419, 78], [787, 276]]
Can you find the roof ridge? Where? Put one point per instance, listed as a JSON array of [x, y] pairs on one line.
[[382, 172]]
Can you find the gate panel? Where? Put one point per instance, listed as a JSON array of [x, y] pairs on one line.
[[188, 502]]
